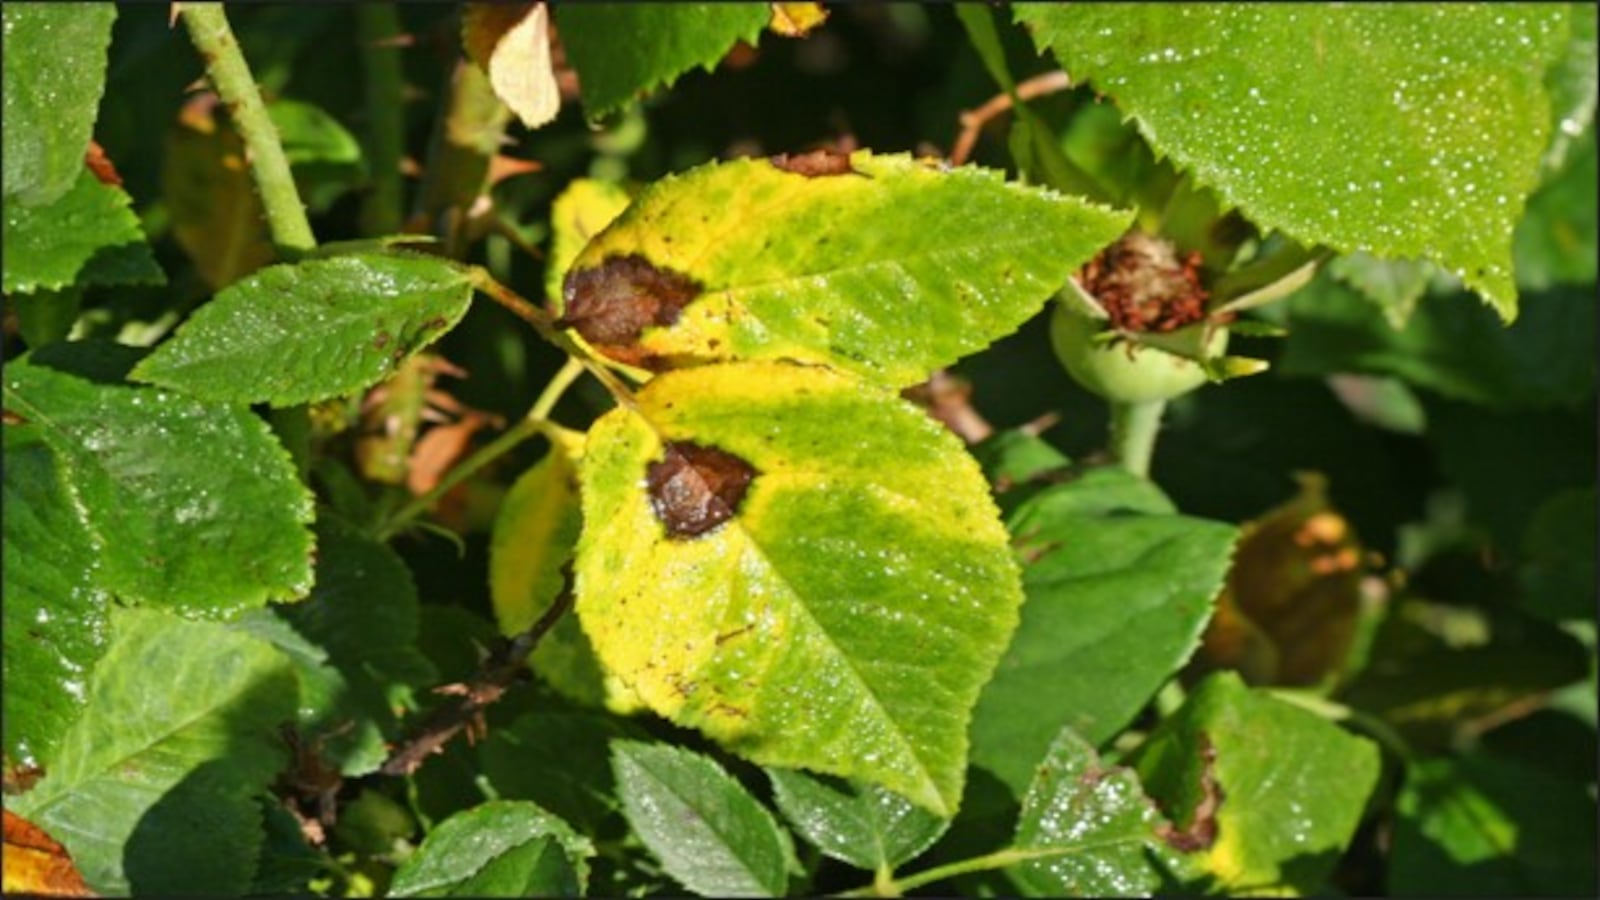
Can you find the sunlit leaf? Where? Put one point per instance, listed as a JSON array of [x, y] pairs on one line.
[[86, 236], [504, 848], [861, 824], [754, 566], [55, 68]]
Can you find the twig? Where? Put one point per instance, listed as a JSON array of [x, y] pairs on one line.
[[379, 30], [973, 120], [502, 669]]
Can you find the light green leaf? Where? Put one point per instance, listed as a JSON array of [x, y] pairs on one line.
[[1117, 599], [504, 848], [889, 270], [86, 236], [326, 158], [843, 614], [312, 330], [1555, 241], [55, 609], [1478, 826], [195, 505], [861, 824], [154, 789], [1086, 829], [708, 832], [1293, 785], [582, 211], [1544, 359], [1394, 285], [623, 49], [1574, 87], [55, 70], [1357, 127]]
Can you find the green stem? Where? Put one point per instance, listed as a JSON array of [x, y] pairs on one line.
[[378, 31], [286, 215], [1133, 433], [537, 421], [996, 860]]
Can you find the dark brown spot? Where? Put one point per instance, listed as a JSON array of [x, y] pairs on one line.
[[694, 488], [1201, 832], [381, 340], [613, 303], [14, 418], [435, 323], [815, 164]]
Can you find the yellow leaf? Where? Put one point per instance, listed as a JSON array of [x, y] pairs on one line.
[[797, 19], [36, 864], [511, 43]]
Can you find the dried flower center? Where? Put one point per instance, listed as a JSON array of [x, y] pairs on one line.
[[1144, 286]]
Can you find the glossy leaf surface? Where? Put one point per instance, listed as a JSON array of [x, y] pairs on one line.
[[888, 267], [843, 614], [861, 824], [87, 235], [155, 791], [1361, 128], [709, 833], [1118, 594], [308, 331], [504, 848], [55, 69], [196, 504]]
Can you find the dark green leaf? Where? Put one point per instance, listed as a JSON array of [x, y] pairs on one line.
[[1544, 359], [55, 609], [559, 761], [706, 829], [1558, 570], [861, 824], [1477, 826], [313, 330], [155, 787], [1293, 785], [1119, 591], [287, 863], [86, 236], [1555, 241], [196, 505], [55, 69], [1086, 829], [1333, 124], [623, 49], [504, 848]]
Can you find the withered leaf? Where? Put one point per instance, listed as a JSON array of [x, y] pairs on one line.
[[36, 864], [612, 303], [815, 164], [695, 488], [510, 42]]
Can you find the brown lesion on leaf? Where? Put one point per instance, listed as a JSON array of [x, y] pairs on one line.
[[694, 488], [815, 164], [612, 304], [1201, 832]]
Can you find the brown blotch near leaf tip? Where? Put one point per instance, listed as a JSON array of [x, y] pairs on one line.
[[815, 164], [1201, 832], [613, 303], [694, 488]]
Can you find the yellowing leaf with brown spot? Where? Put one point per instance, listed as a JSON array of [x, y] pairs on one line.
[[801, 565], [511, 43]]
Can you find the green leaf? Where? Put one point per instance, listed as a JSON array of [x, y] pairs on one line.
[[1086, 829], [1293, 785], [55, 70], [504, 848], [846, 615], [55, 608], [311, 330], [1555, 241], [154, 789], [195, 505], [582, 211], [362, 616], [1395, 285], [86, 236], [326, 158], [1558, 572], [623, 49], [1544, 359], [1574, 87], [889, 270], [861, 824], [559, 760], [1117, 599], [708, 832], [1478, 826], [1360, 128]]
